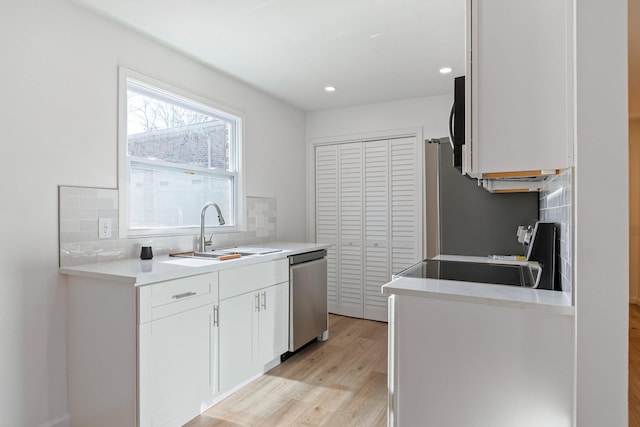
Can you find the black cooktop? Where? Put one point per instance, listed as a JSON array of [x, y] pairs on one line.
[[480, 272]]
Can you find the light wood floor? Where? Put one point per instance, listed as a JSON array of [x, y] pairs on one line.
[[340, 382], [634, 365]]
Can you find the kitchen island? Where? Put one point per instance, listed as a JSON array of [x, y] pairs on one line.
[[157, 342], [478, 354]]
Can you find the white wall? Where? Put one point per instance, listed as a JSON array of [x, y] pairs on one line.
[[601, 213], [58, 117], [431, 113]]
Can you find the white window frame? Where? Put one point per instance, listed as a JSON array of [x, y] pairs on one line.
[[238, 208]]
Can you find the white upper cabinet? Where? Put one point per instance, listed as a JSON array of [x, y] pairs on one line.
[[519, 86]]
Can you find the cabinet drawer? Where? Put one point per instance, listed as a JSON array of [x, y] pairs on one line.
[[173, 296], [237, 281]]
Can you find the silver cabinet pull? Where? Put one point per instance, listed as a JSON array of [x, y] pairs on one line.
[[184, 295], [215, 315], [257, 297], [264, 300]]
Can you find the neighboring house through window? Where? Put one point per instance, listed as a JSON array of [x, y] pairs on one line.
[[176, 153]]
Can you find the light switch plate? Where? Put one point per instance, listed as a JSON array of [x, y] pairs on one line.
[[104, 228]]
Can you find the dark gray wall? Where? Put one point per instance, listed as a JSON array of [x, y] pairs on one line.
[[474, 221]]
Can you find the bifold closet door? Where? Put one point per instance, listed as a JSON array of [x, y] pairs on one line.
[[367, 200], [326, 161], [350, 281], [376, 228], [405, 196]]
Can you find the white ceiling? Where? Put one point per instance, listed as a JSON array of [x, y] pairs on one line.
[[370, 50]]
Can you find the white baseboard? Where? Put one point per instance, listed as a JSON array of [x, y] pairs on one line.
[[62, 421]]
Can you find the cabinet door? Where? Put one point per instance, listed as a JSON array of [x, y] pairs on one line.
[[176, 366], [521, 85], [238, 328], [273, 328]]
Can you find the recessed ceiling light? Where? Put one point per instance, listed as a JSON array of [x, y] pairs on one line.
[[446, 70], [330, 89]]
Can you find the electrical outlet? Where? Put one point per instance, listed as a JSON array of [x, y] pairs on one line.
[[104, 228]]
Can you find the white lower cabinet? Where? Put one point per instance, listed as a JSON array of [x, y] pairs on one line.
[[177, 370], [484, 363], [254, 320], [273, 323], [236, 338], [177, 350], [160, 354]]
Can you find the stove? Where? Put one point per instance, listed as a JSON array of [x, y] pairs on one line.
[[524, 275]]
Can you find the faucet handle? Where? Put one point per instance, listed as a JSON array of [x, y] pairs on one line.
[[209, 241]]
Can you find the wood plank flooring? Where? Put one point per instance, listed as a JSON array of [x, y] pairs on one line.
[[340, 382], [634, 365]]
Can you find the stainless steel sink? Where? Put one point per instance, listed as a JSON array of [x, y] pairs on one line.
[[216, 254], [254, 251], [244, 251]]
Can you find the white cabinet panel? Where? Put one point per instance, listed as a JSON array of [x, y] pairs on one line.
[[177, 349], [273, 327], [455, 363], [253, 325], [240, 280], [173, 296], [520, 69], [176, 367], [238, 352]]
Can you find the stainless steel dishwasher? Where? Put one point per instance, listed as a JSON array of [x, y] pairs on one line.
[[307, 298]]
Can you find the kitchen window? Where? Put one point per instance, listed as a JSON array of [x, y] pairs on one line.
[[177, 152]]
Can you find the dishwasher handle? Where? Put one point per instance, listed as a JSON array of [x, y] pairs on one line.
[[307, 256]]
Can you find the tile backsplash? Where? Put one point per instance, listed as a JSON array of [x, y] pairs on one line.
[[81, 207], [556, 206]]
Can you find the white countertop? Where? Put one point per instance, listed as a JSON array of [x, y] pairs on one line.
[[163, 267], [539, 299]]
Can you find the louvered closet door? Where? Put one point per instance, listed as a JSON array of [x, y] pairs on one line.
[[376, 228], [367, 204], [327, 215], [350, 292], [405, 196]]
